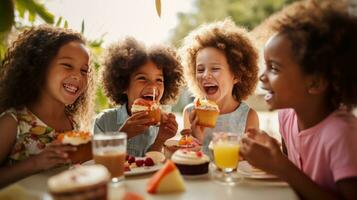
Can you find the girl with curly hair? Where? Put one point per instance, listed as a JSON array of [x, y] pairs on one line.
[[221, 64], [132, 71], [44, 82], [311, 75]]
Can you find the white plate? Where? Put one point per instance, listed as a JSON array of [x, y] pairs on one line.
[[143, 170], [134, 171], [247, 171]]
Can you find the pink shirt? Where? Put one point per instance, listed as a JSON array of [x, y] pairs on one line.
[[326, 152]]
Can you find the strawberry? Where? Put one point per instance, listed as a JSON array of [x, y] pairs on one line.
[[131, 159], [149, 162], [139, 163]]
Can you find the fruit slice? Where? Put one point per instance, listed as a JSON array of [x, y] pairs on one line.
[[156, 156], [168, 179]]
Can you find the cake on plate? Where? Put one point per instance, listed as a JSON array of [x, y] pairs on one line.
[[82, 141], [191, 162], [83, 182], [167, 179], [207, 112], [152, 107]]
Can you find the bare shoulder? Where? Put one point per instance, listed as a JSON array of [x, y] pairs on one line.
[[252, 119]]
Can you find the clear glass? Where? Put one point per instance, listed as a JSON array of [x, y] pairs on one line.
[[226, 157], [109, 149]]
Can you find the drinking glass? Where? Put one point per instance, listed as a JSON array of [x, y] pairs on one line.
[[226, 157], [109, 149]]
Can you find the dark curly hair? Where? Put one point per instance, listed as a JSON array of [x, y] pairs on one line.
[[123, 58], [24, 68], [324, 41], [234, 42]]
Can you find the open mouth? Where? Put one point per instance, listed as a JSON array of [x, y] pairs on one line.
[[71, 88], [269, 94], [149, 97], [210, 88]]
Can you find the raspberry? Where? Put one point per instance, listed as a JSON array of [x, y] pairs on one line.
[[131, 159], [149, 162], [139, 163]]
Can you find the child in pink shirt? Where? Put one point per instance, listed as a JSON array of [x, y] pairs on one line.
[[311, 74]]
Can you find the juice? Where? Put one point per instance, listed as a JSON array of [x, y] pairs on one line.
[[226, 154], [112, 160]]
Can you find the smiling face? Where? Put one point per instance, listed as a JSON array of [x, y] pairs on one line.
[[144, 81], [67, 74], [213, 75], [283, 78]]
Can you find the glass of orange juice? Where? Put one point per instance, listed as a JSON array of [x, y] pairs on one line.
[[226, 157], [109, 149]]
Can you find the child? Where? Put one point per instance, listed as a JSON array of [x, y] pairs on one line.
[[311, 72], [132, 71], [221, 65], [43, 91]]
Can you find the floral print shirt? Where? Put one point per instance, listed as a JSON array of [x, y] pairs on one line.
[[33, 135]]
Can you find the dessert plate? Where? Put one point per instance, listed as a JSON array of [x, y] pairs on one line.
[[248, 171], [143, 170], [135, 170]]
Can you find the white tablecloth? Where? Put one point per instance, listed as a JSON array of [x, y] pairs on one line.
[[196, 188]]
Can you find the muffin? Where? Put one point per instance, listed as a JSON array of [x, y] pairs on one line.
[[83, 182], [82, 141], [152, 107], [187, 141], [191, 162], [207, 112]]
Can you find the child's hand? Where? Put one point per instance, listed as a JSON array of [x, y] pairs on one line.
[[198, 131], [168, 127], [52, 156], [136, 124], [262, 151]]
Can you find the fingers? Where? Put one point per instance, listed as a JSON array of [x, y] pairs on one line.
[[192, 116]]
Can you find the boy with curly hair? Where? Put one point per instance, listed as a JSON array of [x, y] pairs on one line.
[[132, 71]]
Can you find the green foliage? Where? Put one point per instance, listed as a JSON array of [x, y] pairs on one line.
[[247, 13]]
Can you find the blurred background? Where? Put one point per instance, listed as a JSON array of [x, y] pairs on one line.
[[151, 21]]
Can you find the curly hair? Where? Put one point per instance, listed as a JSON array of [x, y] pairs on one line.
[[324, 41], [235, 43], [123, 58], [24, 69]]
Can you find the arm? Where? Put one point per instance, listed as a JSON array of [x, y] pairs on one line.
[[186, 119], [276, 163], [168, 129], [252, 120], [52, 156]]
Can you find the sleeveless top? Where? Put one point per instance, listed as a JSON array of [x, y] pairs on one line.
[[234, 122], [32, 136]]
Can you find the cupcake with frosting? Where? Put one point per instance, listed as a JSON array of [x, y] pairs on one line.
[[82, 141], [207, 112], [83, 182], [191, 162], [152, 107]]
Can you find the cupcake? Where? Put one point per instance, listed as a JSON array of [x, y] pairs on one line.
[[191, 162], [83, 182], [82, 141], [187, 141], [152, 107], [207, 112]]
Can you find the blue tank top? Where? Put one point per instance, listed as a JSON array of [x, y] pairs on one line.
[[233, 122]]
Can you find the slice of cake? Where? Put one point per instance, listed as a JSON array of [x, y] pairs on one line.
[[167, 179], [82, 141], [152, 107], [207, 112], [83, 182]]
